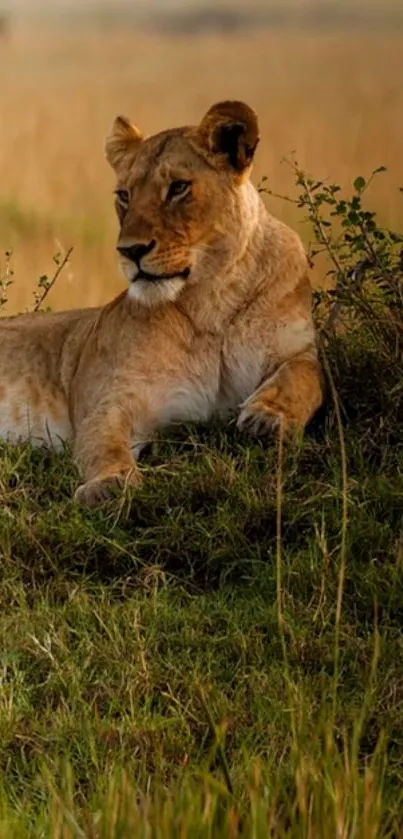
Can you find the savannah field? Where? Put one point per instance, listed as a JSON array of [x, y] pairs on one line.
[[219, 654]]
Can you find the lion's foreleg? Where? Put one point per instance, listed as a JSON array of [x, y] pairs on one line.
[[103, 450], [288, 398]]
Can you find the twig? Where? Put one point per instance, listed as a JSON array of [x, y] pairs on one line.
[[279, 584], [6, 280], [326, 240], [343, 546], [49, 284]]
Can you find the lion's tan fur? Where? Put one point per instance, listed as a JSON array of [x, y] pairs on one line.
[[230, 329]]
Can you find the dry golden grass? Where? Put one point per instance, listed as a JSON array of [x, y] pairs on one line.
[[336, 100]]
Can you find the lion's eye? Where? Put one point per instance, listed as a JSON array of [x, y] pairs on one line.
[[178, 188], [123, 197]]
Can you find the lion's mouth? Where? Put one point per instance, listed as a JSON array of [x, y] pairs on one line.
[[156, 278]]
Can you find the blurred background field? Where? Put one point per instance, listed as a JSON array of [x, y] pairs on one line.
[[326, 80]]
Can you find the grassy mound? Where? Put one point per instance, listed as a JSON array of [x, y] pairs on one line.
[[221, 653]]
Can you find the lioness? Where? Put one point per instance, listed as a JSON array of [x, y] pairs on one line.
[[217, 315]]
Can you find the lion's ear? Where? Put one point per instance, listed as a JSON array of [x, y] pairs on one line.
[[230, 129], [122, 142]]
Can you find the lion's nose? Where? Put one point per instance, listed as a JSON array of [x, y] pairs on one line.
[[136, 252]]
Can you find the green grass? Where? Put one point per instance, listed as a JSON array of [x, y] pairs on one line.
[[219, 654], [145, 640]]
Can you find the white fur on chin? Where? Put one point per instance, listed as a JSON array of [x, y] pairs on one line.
[[151, 293]]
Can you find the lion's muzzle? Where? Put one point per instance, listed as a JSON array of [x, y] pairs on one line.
[[135, 252]]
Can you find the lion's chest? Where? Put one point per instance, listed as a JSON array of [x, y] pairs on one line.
[[243, 363], [214, 379], [190, 401], [191, 391]]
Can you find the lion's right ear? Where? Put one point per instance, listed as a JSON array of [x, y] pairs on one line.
[[122, 142]]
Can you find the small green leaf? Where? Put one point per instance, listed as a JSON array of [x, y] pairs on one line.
[[359, 183]]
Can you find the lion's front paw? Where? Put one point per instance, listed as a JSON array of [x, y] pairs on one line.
[[258, 420], [99, 490]]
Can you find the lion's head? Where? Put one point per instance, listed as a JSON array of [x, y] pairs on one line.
[[181, 198]]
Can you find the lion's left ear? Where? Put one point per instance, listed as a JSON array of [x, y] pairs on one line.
[[122, 142], [230, 129]]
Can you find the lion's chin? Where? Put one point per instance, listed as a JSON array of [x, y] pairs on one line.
[[156, 293]]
